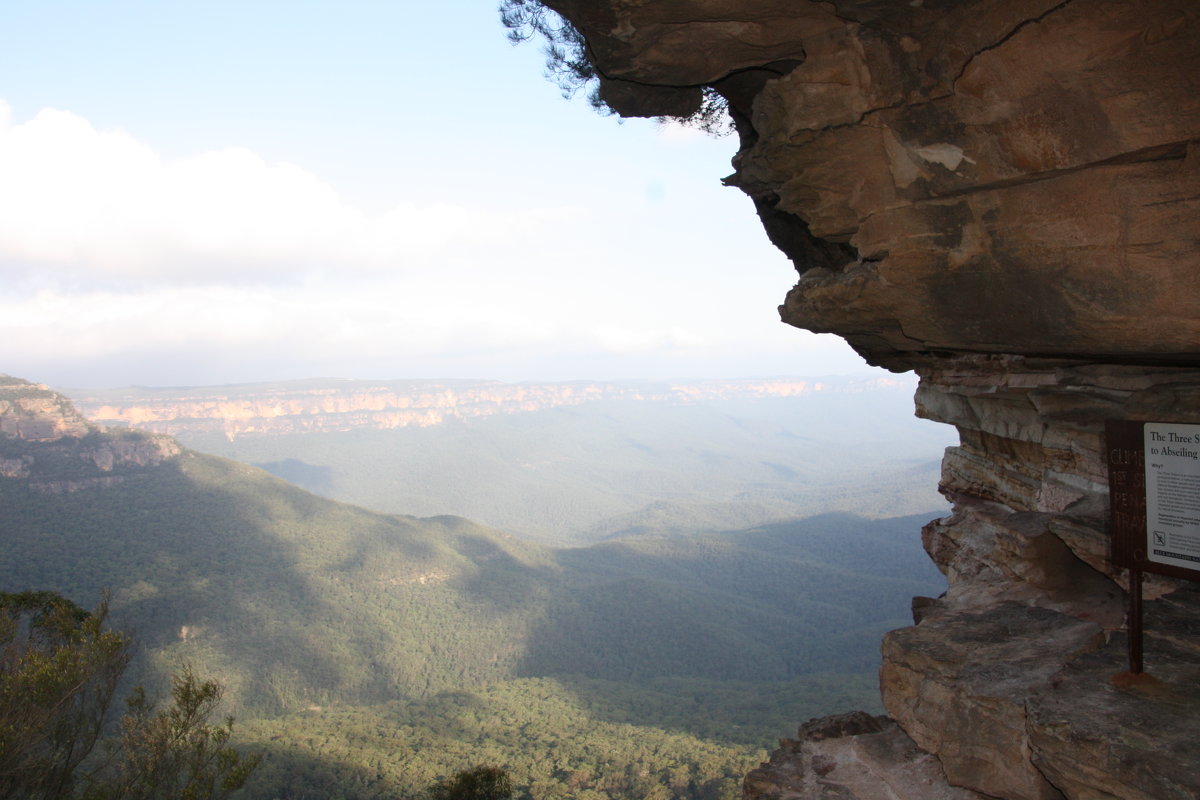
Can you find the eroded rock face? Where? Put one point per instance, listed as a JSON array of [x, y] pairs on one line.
[[996, 169], [31, 412], [958, 684], [1005, 197], [43, 438]]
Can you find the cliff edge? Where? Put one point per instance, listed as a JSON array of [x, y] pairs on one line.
[[45, 442], [1004, 197]]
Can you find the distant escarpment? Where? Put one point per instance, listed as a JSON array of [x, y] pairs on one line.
[[1005, 198], [44, 441], [331, 405], [568, 462]]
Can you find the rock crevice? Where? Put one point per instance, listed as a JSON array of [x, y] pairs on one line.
[[1004, 39]]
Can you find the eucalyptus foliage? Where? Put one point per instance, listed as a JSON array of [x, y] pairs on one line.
[[59, 670]]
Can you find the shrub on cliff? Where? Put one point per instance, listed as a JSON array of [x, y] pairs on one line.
[[59, 669]]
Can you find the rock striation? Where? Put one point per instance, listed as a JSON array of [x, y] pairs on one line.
[[1003, 197]]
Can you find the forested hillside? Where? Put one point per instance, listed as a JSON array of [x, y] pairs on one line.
[[295, 600], [344, 635], [560, 739], [287, 598]]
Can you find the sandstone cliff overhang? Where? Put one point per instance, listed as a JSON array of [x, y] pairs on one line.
[[996, 177]]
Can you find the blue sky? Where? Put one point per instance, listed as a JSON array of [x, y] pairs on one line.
[[228, 192]]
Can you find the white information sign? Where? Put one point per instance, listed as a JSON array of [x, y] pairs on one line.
[[1173, 494]]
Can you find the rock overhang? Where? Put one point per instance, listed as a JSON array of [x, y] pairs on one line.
[[992, 177]]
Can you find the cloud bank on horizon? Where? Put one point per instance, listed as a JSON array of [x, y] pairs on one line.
[[495, 252]]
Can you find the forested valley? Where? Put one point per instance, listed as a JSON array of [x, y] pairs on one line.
[[369, 655]]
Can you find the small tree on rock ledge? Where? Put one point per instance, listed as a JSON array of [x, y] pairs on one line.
[[480, 783]]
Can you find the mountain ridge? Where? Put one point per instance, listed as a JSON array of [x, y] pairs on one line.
[[327, 405], [45, 441]]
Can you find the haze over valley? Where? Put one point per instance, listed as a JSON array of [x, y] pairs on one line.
[[421, 645], [569, 462]]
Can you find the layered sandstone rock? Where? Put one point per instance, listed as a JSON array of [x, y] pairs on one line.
[[33, 413], [1005, 197]]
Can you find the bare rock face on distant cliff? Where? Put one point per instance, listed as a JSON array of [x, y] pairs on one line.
[[325, 405], [70, 453], [1004, 197]]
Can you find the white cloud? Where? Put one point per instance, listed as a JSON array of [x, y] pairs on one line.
[[101, 206], [118, 265], [619, 339]]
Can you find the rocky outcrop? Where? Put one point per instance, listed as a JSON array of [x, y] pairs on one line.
[[1095, 732], [33, 413], [323, 406], [852, 756], [1005, 198], [49, 447]]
